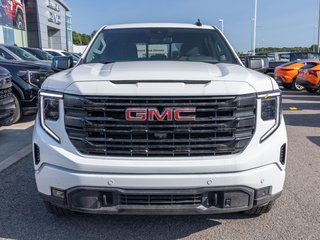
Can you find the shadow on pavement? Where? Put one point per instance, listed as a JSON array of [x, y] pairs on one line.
[[23, 216], [315, 140], [26, 119]]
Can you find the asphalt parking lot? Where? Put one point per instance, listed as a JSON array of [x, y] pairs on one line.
[[296, 214]]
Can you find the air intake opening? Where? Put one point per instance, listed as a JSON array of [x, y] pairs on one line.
[[283, 151], [36, 152]]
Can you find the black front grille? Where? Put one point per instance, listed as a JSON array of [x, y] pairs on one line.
[[5, 93], [161, 199], [97, 125]]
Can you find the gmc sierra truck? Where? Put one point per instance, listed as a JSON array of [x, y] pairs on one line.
[[7, 105], [159, 119]]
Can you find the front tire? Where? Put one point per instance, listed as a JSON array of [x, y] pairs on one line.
[[257, 211], [19, 22], [296, 86], [18, 110]]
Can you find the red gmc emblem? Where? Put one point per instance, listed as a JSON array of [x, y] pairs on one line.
[[152, 114]]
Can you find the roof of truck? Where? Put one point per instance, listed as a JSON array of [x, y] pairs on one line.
[[158, 25]]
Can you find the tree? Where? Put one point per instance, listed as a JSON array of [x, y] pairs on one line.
[[81, 38]]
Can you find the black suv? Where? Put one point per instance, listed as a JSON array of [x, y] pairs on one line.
[[27, 78], [7, 105]]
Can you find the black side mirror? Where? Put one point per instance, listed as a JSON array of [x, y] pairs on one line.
[[258, 63], [62, 63]]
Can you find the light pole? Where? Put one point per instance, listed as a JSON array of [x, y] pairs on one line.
[[319, 31], [222, 25], [254, 35]]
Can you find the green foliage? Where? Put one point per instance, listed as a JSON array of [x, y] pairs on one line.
[[265, 51], [81, 39]]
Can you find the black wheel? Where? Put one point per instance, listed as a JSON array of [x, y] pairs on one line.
[[19, 22], [58, 211], [312, 90], [296, 86], [18, 111], [286, 85], [260, 210]]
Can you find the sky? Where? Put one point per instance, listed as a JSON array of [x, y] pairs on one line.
[[280, 23]]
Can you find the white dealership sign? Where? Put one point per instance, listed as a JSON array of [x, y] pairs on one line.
[[53, 10]]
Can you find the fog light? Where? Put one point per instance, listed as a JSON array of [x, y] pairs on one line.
[[58, 193], [263, 192], [36, 152], [283, 151]]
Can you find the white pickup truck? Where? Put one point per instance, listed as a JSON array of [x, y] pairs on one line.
[[159, 119]]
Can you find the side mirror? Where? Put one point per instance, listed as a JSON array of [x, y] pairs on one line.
[[62, 63], [258, 63]]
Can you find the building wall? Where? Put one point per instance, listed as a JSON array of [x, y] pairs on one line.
[[32, 23], [46, 21]]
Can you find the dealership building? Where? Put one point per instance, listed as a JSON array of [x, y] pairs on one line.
[[36, 23]]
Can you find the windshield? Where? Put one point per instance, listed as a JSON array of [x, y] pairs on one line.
[[158, 44], [23, 54]]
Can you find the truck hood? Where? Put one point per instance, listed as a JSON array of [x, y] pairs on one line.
[[158, 78], [26, 64]]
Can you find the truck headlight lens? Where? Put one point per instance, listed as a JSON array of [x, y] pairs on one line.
[[51, 108], [49, 111], [33, 77], [268, 109], [271, 111]]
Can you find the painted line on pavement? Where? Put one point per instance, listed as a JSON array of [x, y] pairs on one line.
[[15, 157]]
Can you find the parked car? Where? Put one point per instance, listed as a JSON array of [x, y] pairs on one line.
[[61, 53], [77, 54], [27, 78], [7, 104], [38, 53], [284, 57], [287, 73], [309, 76], [16, 53], [279, 57]]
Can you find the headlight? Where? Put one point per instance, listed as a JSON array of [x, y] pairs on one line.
[[33, 77], [271, 111], [49, 111]]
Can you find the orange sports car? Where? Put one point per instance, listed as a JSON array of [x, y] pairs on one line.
[[287, 74], [309, 76]]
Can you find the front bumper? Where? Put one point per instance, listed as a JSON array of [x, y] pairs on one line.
[[30, 106], [161, 202], [308, 84], [88, 192]]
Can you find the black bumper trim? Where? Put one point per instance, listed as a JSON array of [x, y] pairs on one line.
[[116, 208]]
